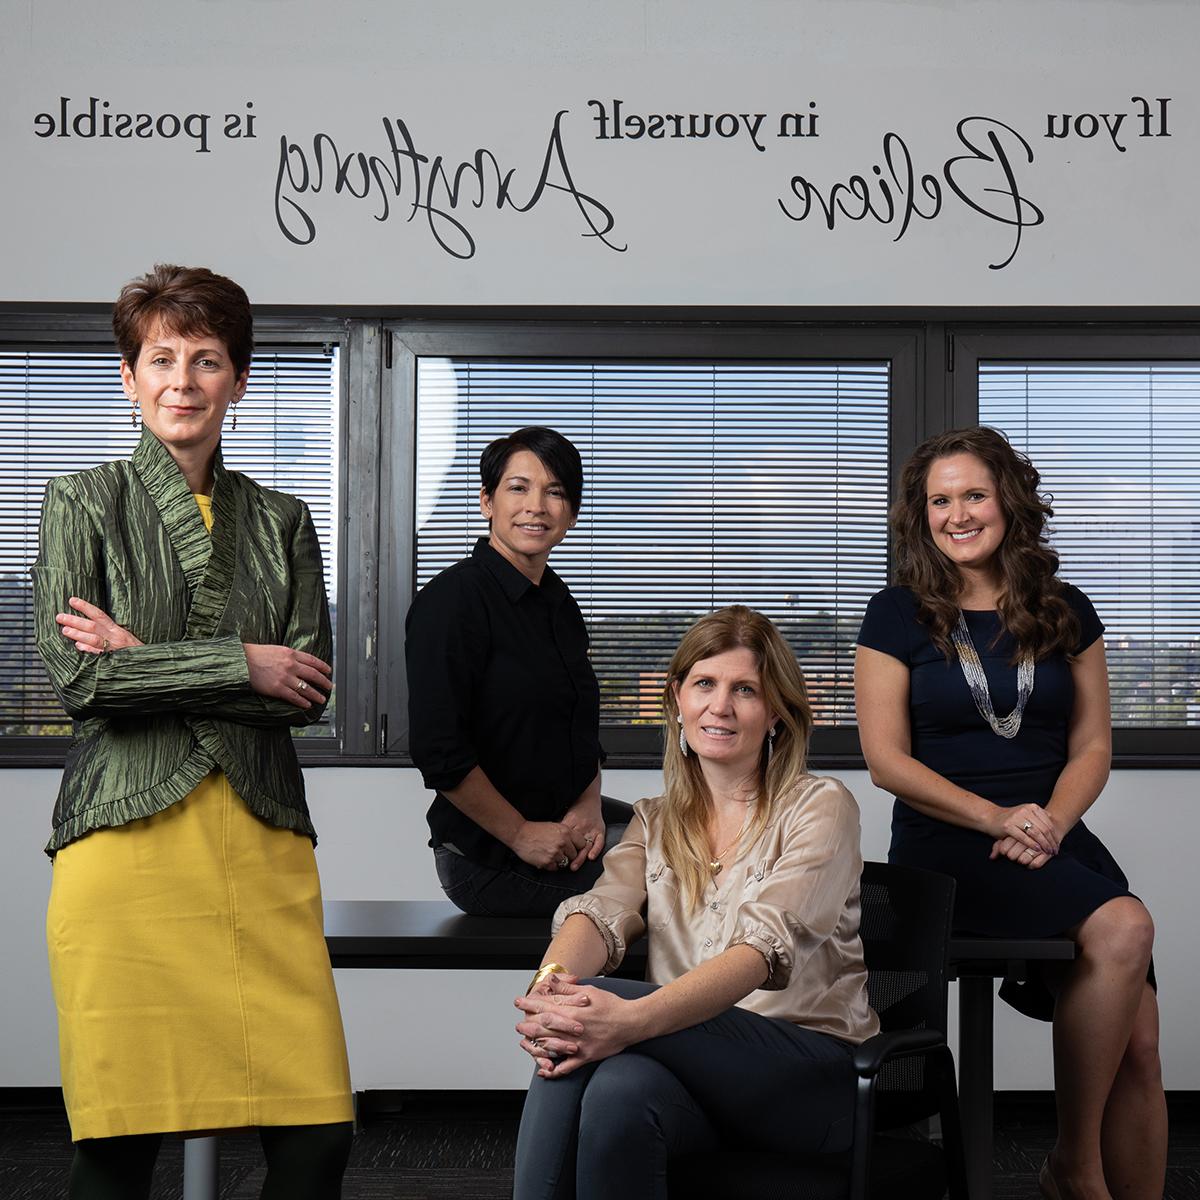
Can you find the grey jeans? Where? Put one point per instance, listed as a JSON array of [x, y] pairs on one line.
[[607, 1130]]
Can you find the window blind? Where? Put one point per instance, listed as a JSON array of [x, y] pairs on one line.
[[62, 412], [706, 484], [1118, 448]]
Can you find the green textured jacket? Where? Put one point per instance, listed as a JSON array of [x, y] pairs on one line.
[[151, 721]]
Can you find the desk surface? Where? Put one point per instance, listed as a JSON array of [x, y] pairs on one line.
[[433, 933]]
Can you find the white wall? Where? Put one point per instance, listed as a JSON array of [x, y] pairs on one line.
[[702, 224], [1109, 218], [449, 1030]]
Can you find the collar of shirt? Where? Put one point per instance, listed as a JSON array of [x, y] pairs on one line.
[[514, 582]]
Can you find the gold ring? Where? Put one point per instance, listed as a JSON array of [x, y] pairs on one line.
[[589, 838], [104, 647]]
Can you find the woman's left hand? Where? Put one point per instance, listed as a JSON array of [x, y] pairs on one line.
[[92, 630], [578, 1024], [1018, 852], [1021, 852]]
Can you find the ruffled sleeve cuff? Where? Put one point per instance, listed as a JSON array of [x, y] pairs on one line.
[[777, 953], [611, 926]]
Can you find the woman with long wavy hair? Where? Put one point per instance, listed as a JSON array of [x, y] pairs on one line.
[[744, 875], [983, 705]]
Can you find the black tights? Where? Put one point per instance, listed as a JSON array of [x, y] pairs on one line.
[[304, 1162]]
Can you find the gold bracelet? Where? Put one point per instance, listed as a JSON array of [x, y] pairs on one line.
[[550, 968]]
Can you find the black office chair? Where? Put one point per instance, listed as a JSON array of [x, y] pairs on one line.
[[905, 1073]]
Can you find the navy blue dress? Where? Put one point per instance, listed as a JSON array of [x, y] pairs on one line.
[[997, 898]]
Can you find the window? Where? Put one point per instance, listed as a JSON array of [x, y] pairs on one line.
[[62, 410], [1112, 422], [1118, 446], [707, 482]]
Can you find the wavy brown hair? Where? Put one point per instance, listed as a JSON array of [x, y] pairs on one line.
[[1031, 603], [687, 805]]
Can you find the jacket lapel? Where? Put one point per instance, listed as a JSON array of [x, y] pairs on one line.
[[207, 562], [211, 596], [179, 513]]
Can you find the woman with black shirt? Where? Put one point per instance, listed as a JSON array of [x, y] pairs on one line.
[[504, 708]]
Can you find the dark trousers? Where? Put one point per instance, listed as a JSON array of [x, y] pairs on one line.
[[304, 1162], [606, 1131], [522, 890]]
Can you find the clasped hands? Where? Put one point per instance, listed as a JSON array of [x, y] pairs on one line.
[[293, 676], [1026, 834], [567, 1024], [578, 837]]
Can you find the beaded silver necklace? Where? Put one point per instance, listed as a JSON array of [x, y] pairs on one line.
[[973, 672]]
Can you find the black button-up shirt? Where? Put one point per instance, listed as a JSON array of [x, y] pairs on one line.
[[499, 678]]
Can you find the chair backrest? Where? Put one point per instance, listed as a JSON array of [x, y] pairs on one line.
[[905, 930]]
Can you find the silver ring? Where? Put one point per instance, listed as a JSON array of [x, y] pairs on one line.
[[1027, 850], [564, 861], [302, 685], [1027, 826], [589, 838]]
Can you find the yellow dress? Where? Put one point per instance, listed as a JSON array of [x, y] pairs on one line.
[[190, 973]]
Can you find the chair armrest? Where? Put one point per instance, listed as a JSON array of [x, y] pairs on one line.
[[875, 1051]]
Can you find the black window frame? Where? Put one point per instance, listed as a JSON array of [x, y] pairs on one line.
[[934, 386]]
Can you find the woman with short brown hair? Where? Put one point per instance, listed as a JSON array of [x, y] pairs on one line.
[[181, 614]]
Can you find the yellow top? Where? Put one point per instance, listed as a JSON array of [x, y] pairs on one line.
[[205, 503]]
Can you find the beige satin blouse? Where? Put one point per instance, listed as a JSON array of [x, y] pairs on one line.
[[793, 895]]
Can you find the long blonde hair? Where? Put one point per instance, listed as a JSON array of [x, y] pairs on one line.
[[686, 809]]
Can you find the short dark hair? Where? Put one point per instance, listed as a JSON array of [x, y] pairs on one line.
[[189, 302], [553, 450]]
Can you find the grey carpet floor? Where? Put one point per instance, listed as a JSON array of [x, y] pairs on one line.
[[440, 1148]]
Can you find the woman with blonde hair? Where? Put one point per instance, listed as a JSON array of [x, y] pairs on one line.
[[983, 707], [744, 876]]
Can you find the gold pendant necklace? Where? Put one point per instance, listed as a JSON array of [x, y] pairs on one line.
[[714, 864]]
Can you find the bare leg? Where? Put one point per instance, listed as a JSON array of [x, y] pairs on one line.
[[1097, 1000], [1134, 1134]]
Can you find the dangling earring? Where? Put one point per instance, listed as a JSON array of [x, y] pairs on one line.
[[133, 413], [682, 736], [234, 425], [770, 744]]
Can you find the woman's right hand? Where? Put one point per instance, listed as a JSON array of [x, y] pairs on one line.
[[290, 675], [1028, 825], [544, 844], [1023, 856]]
